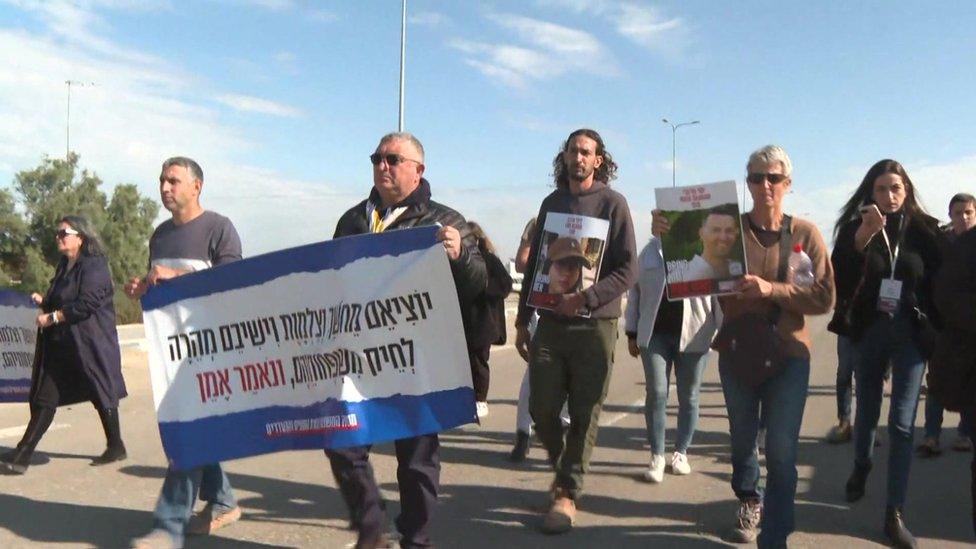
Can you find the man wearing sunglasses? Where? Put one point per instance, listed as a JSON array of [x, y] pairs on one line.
[[191, 240], [400, 199]]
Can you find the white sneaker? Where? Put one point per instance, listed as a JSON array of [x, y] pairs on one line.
[[481, 409], [655, 471], [679, 464]]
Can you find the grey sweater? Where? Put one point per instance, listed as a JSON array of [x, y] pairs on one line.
[[618, 271]]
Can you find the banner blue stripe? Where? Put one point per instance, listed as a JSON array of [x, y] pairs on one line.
[[213, 439], [12, 298], [332, 254], [14, 390]]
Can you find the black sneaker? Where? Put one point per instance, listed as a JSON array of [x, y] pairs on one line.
[[854, 490], [521, 449]]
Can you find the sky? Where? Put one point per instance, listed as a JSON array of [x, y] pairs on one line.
[[282, 101]]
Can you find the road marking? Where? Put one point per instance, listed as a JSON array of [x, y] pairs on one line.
[[634, 407], [10, 432]]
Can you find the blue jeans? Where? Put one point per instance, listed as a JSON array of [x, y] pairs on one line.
[[783, 399], [933, 419], [175, 504], [888, 340], [658, 357], [846, 358]]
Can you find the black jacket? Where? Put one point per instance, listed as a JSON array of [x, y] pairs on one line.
[[858, 273], [485, 318], [952, 368], [468, 269], [85, 296]]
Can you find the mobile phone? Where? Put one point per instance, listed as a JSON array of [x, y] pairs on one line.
[[865, 208]]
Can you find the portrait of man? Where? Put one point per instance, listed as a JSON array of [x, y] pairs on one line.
[[719, 234]]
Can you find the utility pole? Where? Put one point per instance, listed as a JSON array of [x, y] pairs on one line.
[[403, 57]]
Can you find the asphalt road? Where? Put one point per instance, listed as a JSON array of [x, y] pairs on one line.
[[290, 500]]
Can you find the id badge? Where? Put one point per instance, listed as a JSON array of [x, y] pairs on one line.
[[889, 296]]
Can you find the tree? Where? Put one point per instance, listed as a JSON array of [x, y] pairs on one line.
[[28, 251]]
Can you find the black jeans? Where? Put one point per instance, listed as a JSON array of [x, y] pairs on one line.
[[418, 476], [480, 374]]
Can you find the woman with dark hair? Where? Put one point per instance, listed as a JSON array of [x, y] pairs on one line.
[[889, 250], [77, 356], [485, 320]]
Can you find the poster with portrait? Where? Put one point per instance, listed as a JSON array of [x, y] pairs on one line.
[[570, 253], [703, 249]]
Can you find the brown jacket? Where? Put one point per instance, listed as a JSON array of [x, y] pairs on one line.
[[795, 302]]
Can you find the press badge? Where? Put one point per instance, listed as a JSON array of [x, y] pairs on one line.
[[889, 295]]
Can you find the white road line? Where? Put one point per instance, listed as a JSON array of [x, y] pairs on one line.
[[632, 408], [18, 431]]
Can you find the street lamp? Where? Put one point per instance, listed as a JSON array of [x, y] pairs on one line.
[[674, 130], [67, 122], [403, 58]]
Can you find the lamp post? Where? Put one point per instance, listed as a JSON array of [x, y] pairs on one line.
[[674, 130], [403, 57], [67, 121]]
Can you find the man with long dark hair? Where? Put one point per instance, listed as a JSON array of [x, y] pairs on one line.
[[571, 354]]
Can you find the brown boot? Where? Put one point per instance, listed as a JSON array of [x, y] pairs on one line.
[[561, 515]]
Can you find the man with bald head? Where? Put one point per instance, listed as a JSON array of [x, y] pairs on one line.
[[400, 199]]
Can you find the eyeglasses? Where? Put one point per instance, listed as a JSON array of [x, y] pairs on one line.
[[63, 233], [391, 159], [773, 178]]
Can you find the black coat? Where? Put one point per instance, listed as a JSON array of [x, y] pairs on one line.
[[952, 368], [88, 335], [858, 275], [468, 269], [485, 318]]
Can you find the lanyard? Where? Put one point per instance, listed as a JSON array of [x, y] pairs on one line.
[[893, 254]]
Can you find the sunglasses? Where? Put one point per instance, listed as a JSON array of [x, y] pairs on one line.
[[773, 178], [391, 159], [63, 233]]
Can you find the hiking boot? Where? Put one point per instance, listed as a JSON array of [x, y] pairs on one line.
[[212, 518], [840, 433], [896, 531], [521, 449], [679, 464], [747, 520], [655, 470], [854, 490], [561, 515]]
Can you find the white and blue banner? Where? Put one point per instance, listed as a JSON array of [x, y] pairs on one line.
[[342, 343], [18, 338]]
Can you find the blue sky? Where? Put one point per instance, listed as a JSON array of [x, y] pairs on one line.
[[282, 100]]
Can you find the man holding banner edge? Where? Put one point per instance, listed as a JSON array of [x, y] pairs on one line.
[[193, 239], [400, 199]]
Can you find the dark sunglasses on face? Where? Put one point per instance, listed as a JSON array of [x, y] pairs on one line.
[[391, 159], [63, 233], [773, 178]]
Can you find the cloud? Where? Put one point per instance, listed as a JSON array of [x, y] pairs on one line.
[[248, 103], [136, 116], [322, 16], [428, 19], [640, 23], [547, 51]]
